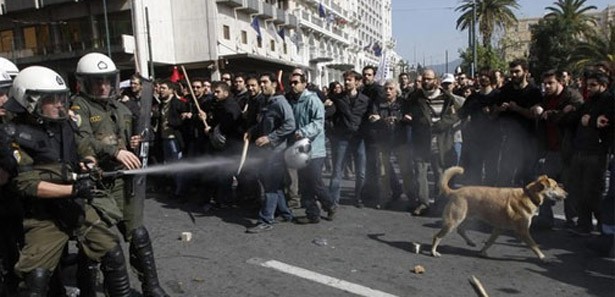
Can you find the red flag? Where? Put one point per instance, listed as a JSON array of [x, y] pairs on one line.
[[175, 75], [280, 84]]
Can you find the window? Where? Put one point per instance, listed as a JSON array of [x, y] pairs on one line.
[[259, 42], [6, 40], [244, 37], [226, 32], [36, 38], [285, 49], [272, 45]]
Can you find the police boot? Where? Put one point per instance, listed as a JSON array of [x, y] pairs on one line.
[[113, 267], [142, 259], [87, 275], [36, 282]]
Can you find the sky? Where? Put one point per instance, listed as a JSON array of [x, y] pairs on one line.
[[425, 30]]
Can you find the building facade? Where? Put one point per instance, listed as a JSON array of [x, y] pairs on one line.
[[517, 39], [207, 37]]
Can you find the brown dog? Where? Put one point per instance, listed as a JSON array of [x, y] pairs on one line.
[[502, 208]]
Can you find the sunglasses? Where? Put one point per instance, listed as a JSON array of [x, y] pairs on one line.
[[294, 82]]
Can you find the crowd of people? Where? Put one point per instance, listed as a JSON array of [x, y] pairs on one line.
[[504, 130]]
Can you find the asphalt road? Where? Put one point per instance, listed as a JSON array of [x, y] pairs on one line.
[[363, 249]]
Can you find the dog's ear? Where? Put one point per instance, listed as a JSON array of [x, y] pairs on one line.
[[536, 187], [543, 178]]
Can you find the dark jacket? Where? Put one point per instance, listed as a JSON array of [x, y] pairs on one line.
[[589, 139], [170, 119], [559, 121], [389, 130], [227, 115], [423, 129], [526, 98], [242, 99], [275, 120], [250, 116], [375, 93], [478, 125], [348, 114]]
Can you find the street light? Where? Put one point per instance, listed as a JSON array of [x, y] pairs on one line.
[[474, 55], [107, 28]]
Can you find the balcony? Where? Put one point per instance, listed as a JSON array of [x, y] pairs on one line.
[[252, 6], [12, 6], [268, 11], [52, 2], [319, 56], [336, 7], [281, 17], [318, 22], [305, 15], [230, 3], [292, 20]]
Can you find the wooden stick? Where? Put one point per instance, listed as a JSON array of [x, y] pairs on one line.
[[244, 154], [478, 287], [196, 102]]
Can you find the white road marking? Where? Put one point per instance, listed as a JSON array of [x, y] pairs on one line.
[[563, 218], [320, 278]]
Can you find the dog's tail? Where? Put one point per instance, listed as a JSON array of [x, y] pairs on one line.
[[446, 177]]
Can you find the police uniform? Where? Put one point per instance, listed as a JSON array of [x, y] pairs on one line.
[[11, 219], [106, 127], [46, 151]]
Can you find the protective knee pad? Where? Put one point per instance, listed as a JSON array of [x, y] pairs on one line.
[[87, 275], [142, 259], [113, 267]]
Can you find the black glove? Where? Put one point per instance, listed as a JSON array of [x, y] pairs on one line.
[[82, 188]]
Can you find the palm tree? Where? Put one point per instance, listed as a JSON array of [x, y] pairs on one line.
[[572, 13], [598, 47], [490, 14]]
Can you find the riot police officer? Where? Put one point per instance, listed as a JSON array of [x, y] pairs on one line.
[[105, 125], [56, 207], [10, 208]]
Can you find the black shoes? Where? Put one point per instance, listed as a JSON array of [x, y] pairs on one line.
[[331, 213], [305, 220]]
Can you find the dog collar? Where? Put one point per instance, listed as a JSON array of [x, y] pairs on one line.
[[532, 197]]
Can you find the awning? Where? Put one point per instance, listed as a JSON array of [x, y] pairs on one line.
[[247, 62]]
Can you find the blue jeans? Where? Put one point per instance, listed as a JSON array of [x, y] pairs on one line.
[[357, 146], [173, 153], [312, 188], [272, 181]]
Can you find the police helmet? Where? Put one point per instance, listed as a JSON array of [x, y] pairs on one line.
[[9, 67], [98, 77], [298, 155], [36, 86]]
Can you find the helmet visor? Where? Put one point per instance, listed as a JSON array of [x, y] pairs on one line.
[[4, 90], [50, 105], [100, 86]]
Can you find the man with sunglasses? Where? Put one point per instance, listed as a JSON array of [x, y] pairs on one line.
[[309, 113]]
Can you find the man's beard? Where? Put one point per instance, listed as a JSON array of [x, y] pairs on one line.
[[428, 87], [518, 81]]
